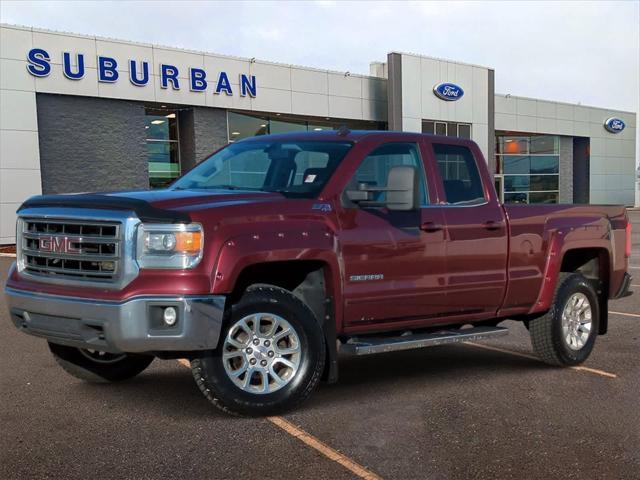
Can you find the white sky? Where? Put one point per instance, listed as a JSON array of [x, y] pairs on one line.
[[570, 51], [586, 52]]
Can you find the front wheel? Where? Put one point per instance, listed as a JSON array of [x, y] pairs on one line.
[[566, 334], [270, 358], [97, 366]]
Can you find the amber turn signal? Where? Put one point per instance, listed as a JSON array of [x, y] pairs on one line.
[[188, 242]]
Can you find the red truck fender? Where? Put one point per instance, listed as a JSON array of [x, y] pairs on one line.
[[240, 252], [317, 245], [565, 235]]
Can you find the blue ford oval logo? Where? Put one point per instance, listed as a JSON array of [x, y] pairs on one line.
[[614, 125], [448, 91]]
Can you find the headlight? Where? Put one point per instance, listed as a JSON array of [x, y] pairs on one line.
[[169, 246]]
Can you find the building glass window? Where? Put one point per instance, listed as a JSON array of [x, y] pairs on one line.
[[163, 151], [448, 129], [242, 125], [529, 166], [464, 131], [281, 126]]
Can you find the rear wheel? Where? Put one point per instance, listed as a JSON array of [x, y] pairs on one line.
[[566, 334], [270, 358], [99, 366]]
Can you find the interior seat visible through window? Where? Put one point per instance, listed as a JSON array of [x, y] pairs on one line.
[[460, 176], [374, 169]]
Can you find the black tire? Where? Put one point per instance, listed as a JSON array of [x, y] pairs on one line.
[[110, 368], [217, 386], [547, 337]]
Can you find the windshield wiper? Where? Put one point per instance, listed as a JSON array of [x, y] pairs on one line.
[[274, 190], [213, 187]]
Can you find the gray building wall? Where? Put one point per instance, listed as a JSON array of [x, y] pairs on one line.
[[91, 144], [491, 108], [394, 91], [186, 139], [202, 131], [566, 170], [210, 127]]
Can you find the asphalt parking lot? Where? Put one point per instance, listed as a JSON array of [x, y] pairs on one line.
[[458, 411]]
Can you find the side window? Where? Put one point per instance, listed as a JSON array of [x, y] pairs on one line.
[[374, 169], [460, 175]]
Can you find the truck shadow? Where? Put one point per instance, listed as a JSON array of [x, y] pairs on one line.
[[169, 390], [162, 390], [450, 366]]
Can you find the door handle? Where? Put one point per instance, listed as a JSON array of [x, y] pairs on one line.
[[492, 225], [430, 227]]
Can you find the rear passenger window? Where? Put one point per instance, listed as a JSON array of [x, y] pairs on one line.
[[460, 175]]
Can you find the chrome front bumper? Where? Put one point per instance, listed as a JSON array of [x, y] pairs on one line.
[[132, 326]]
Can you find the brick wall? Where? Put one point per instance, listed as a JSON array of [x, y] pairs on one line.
[[566, 170], [91, 144]]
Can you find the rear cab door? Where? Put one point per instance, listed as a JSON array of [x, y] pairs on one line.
[[476, 233]]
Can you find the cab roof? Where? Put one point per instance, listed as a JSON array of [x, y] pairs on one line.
[[331, 135]]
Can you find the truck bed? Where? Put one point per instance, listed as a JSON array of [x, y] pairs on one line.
[[539, 234]]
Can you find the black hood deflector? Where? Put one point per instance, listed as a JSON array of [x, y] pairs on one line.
[[143, 209]]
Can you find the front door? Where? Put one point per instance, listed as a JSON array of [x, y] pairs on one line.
[[393, 260]]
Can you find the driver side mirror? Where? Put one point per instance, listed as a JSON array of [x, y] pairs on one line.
[[402, 190]]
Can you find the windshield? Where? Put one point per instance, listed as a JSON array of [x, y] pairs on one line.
[[288, 167]]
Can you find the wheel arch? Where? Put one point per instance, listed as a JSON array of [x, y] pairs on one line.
[[312, 281], [591, 261], [595, 264]]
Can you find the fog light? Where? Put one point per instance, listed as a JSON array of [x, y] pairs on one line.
[[170, 316]]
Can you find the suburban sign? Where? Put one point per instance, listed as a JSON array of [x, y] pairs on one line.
[[73, 68], [614, 125], [448, 91]]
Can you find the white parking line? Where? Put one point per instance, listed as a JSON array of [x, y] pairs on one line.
[[312, 442], [625, 314], [324, 449], [7, 255], [533, 357]]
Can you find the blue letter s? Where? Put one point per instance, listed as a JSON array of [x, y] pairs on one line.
[[38, 65]]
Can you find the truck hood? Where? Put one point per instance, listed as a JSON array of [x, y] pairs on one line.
[[157, 205], [186, 199]]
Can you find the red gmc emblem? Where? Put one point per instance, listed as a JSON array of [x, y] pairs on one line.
[[56, 244]]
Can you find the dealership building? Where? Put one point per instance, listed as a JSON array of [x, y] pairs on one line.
[[82, 113]]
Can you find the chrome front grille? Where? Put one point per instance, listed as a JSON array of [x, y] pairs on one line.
[[71, 249]]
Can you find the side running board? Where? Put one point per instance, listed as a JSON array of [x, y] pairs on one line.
[[369, 345]]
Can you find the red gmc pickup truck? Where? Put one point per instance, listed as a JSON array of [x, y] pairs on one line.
[[277, 253]]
